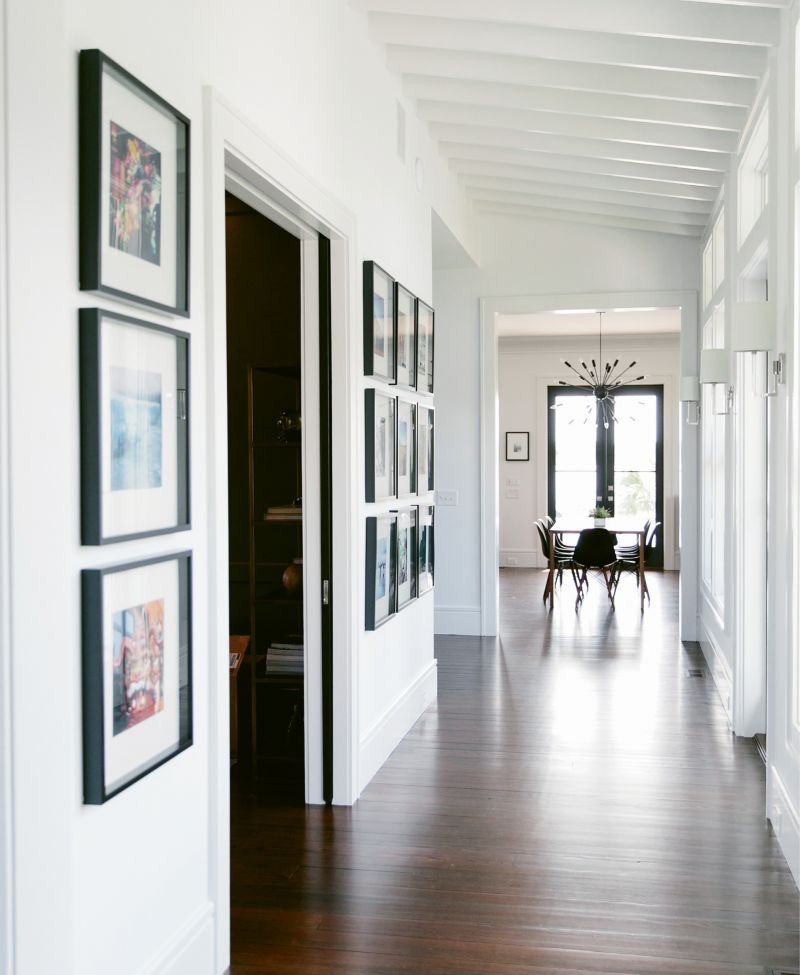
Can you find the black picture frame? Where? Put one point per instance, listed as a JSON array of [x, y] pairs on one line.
[[102, 270], [405, 351], [524, 446], [406, 414], [426, 548], [379, 285], [425, 347], [380, 446], [407, 555], [425, 449], [380, 590], [103, 705], [98, 496]]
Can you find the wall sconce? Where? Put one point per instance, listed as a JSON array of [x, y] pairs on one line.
[[690, 395], [714, 372], [753, 330]]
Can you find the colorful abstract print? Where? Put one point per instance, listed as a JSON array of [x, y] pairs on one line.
[[138, 664], [135, 196]]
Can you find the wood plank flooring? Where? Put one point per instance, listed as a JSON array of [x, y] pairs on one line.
[[574, 803]]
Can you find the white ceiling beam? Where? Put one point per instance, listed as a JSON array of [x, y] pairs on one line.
[[578, 205], [645, 52], [573, 146], [626, 107], [572, 75], [458, 152], [626, 197], [581, 126], [623, 223], [469, 169], [655, 18]]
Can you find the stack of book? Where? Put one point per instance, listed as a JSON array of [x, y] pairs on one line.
[[284, 512], [285, 658]]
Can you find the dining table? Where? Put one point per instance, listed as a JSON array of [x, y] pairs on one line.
[[617, 526]]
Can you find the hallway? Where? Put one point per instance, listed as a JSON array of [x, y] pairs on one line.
[[574, 803]]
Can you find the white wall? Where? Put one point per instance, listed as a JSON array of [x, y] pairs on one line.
[[751, 625], [527, 366], [521, 258], [306, 75]]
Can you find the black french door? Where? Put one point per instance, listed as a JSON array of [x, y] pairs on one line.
[[620, 467]]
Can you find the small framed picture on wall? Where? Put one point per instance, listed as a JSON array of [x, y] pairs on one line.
[[405, 309], [380, 424], [518, 446], [426, 549], [425, 452], [134, 189], [407, 567], [134, 428], [381, 562], [137, 671], [406, 448], [424, 347], [379, 324]]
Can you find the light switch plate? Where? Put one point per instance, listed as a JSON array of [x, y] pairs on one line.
[[447, 499]]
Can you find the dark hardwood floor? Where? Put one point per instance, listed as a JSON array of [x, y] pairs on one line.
[[574, 803]]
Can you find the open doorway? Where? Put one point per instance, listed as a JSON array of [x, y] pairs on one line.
[[278, 479]]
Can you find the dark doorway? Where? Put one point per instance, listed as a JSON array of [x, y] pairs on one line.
[[264, 278]]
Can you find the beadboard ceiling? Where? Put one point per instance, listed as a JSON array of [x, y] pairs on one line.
[[617, 112]]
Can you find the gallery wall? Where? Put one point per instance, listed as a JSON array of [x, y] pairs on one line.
[[131, 887], [527, 366], [521, 259]]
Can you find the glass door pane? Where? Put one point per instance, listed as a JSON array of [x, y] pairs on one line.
[[575, 466], [636, 438]]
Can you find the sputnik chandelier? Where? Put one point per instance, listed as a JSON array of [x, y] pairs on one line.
[[603, 381]]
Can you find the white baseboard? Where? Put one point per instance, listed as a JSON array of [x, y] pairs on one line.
[[190, 951], [390, 729], [719, 667], [457, 620], [521, 558], [785, 819]]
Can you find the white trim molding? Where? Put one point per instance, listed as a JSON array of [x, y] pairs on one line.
[[719, 667], [190, 950], [490, 307], [784, 816], [457, 621], [7, 926], [236, 149], [395, 723]]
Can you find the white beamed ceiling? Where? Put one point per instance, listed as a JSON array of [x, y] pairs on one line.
[[623, 113]]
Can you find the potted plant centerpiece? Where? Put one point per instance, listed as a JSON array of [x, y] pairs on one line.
[[599, 514]]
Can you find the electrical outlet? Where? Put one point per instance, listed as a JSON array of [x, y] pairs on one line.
[[447, 499], [512, 493], [512, 560]]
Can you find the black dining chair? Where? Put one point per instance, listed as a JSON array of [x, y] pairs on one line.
[[628, 555], [595, 550], [563, 560]]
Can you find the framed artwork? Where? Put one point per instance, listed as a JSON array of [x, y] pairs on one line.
[[134, 189], [134, 428], [380, 425], [426, 549], [407, 556], [137, 671], [406, 311], [424, 347], [406, 448], [381, 582], [380, 339], [518, 446], [424, 449]]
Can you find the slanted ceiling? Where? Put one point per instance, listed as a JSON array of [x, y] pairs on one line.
[[617, 112]]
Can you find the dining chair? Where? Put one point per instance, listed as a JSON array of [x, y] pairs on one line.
[[563, 560], [595, 550], [628, 555]]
